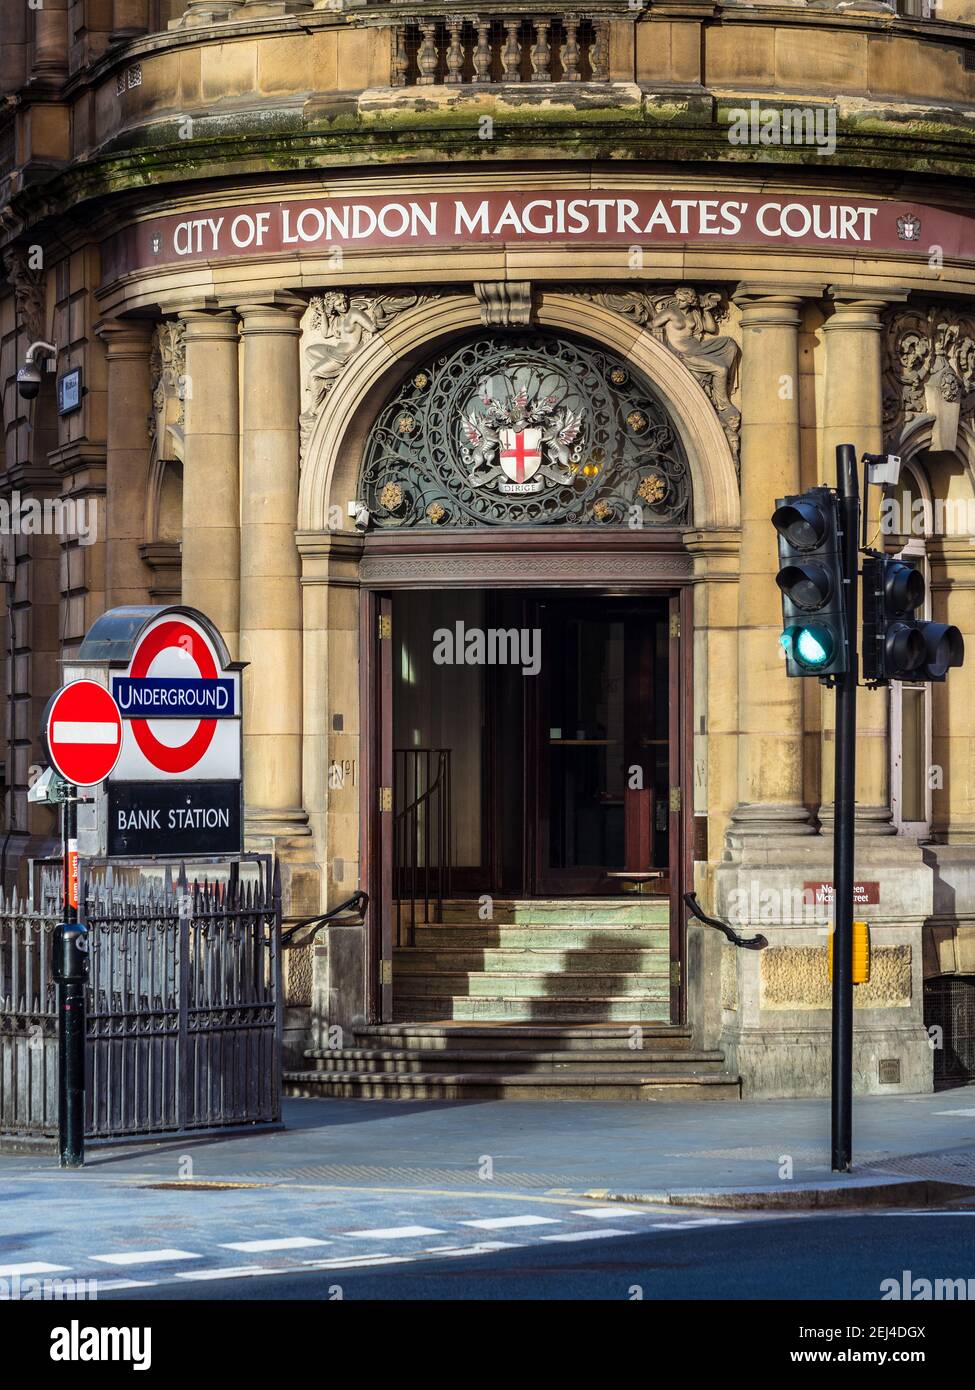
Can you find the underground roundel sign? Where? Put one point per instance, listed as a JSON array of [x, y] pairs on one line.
[[181, 710], [83, 729]]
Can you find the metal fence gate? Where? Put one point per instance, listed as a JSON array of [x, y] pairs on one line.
[[183, 1003], [949, 1004]]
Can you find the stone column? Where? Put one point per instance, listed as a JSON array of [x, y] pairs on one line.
[[264, 9], [50, 57], [853, 414], [270, 590], [211, 471], [769, 703], [128, 346], [199, 12], [129, 19]]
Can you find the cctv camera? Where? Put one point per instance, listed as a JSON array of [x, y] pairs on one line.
[[360, 514], [29, 375], [29, 381]]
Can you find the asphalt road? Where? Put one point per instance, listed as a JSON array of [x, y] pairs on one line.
[[842, 1257], [145, 1239]]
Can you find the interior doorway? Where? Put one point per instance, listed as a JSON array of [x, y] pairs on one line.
[[533, 746]]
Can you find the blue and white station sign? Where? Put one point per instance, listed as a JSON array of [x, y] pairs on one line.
[[176, 789], [180, 706]]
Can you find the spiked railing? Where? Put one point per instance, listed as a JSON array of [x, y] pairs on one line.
[[183, 1002]]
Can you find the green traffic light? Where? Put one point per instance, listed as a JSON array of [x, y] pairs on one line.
[[812, 647]]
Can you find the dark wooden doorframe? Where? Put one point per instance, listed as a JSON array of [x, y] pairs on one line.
[[377, 880]]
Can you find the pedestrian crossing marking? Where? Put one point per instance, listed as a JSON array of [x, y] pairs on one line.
[[145, 1257]]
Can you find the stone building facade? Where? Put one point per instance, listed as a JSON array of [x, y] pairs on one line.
[[387, 318]]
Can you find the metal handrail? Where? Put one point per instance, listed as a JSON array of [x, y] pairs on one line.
[[407, 861], [750, 943], [424, 796], [359, 902]]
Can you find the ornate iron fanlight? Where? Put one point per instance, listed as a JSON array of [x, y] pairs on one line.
[[525, 429]]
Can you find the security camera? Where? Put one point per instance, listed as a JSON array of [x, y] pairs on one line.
[[29, 381], [29, 375], [361, 515], [883, 468]]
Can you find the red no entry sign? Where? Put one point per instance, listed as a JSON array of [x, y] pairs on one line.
[[84, 732]]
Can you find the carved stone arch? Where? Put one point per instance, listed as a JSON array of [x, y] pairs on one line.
[[918, 438], [335, 441]]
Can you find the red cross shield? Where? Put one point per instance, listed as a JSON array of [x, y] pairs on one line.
[[521, 453]]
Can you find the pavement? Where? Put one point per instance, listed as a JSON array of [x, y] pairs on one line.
[[699, 1153], [393, 1199]]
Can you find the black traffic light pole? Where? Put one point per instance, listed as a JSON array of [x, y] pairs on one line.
[[71, 995], [848, 487]]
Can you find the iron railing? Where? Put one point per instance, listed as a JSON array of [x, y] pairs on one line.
[[28, 1011], [422, 840], [183, 1003], [949, 1005]]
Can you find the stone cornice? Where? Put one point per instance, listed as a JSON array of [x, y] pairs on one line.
[[385, 14], [618, 123]]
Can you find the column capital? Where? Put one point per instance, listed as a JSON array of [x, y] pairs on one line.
[[126, 337], [860, 307], [217, 326], [868, 294], [279, 312], [773, 305], [715, 541]]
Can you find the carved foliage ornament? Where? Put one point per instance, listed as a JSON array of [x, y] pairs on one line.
[[929, 370], [525, 428], [687, 321]]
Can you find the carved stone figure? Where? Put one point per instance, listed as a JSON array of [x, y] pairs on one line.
[[339, 326], [335, 328], [28, 284], [344, 327], [929, 371], [686, 321], [687, 325], [167, 373]]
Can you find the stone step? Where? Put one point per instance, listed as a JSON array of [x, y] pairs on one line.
[[595, 1060], [521, 1037], [410, 960], [560, 911], [581, 1085], [580, 1009], [576, 984], [542, 936]]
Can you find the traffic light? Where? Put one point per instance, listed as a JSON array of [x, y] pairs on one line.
[[897, 646], [811, 579]]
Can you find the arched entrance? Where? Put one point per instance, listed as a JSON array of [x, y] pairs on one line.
[[525, 632]]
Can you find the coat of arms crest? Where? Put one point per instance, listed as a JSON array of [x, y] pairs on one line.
[[521, 442], [909, 227]]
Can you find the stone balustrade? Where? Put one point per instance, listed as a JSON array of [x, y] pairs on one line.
[[515, 48]]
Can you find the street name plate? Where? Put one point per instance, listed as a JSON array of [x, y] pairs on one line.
[[174, 818], [865, 894]]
